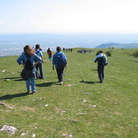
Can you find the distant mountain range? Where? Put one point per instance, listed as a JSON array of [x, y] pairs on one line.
[[118, 45]]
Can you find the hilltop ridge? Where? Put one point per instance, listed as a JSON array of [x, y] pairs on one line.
[[118, 45]]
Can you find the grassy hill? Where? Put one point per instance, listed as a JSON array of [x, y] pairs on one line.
[[80, 108]]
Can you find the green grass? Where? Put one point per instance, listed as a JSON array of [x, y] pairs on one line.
[[68, 109]]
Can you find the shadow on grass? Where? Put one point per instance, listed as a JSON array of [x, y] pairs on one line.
[[8, 96], [94, 69], [90, 82], [133, 61], [13, 78], [45, 84]]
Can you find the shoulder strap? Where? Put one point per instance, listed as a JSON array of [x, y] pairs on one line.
[[37, 52]]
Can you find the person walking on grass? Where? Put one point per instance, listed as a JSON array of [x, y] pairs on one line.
[[29, 60], [59, 62], [49, 52], [39, 67], [101, 59]]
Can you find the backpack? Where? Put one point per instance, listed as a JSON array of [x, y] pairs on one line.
[[61, 61], [29, 65], [104, 61]]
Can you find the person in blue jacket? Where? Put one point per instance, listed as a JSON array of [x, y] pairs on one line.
[[29, 75], [100, 66], [59, 62], [39, 66]]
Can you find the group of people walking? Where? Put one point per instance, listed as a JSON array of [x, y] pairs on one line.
[[34, 57]]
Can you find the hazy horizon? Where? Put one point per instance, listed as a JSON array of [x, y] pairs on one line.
[[12, 44]]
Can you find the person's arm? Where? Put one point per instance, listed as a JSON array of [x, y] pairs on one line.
[[41, 55], [105, 57], [95, 60], [36, 63], [20, 60], [37, 59]]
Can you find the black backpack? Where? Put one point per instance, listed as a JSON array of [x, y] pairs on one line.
[[29, 65], [104, 61]]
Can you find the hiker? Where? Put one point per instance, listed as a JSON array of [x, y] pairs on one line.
[[49, 52], [29, 60], [99, 58], [39, 67], [59, 61]]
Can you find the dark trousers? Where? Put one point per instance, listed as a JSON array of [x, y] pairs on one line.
[[60, 74], [101, 73], [39, 67]]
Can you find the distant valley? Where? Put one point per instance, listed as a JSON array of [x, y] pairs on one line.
[[12, 44]]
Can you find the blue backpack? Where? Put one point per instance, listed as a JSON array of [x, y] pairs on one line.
[[61, 61]]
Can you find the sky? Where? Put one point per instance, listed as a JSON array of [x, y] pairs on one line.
[[68, 16]]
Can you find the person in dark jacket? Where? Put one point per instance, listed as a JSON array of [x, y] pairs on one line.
[[100, 66], [29, 75], [55, 62]]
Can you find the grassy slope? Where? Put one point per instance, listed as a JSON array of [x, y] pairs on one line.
[[69, 107]]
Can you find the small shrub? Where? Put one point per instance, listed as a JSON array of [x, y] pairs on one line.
[[108, 53], [97, 52], [135, 54]]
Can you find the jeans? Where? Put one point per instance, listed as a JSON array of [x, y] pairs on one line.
[[31, 83], [39, 66], [60, 74]]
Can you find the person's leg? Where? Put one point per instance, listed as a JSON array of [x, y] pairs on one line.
[[28, 85], [50, 58], [41, 71], [60, 74], [37, 74], [33, 87], [100, 74], [37, 67]]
